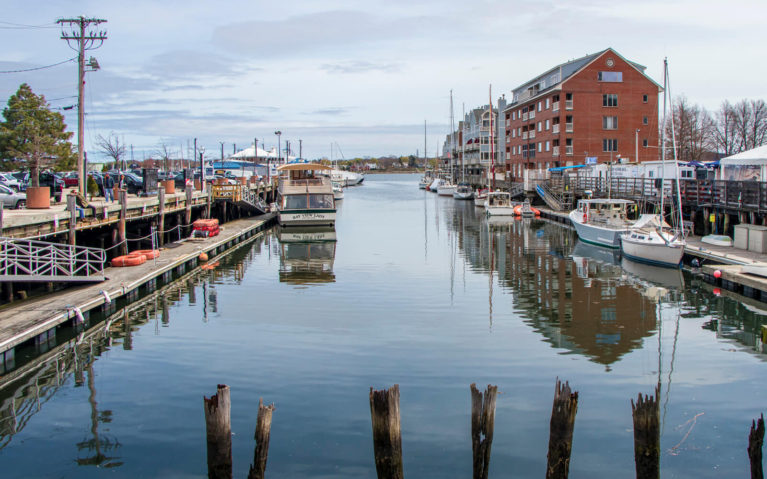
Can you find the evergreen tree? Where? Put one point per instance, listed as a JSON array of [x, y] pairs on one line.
[[34, 135]]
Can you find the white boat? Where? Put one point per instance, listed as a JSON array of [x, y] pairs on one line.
[[717, 240], [447, 188], [499, 204], [601, 221], [435, 184], [652, 240], [480, 198], [347, 178], [463, 192], [338, 191], [305, 196], [426, 180]]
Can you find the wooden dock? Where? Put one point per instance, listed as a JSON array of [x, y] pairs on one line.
[[23, 321]]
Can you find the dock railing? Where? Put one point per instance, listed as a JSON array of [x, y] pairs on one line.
[[29, 260]]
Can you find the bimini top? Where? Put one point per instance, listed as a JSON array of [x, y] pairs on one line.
[[303, 167]]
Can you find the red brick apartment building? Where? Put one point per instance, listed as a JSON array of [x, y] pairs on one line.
[[600, 106]]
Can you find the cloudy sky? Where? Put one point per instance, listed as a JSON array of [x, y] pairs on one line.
[[362, 74]]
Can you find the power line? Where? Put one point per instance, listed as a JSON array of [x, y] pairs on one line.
[[21, 26], [40, 68]]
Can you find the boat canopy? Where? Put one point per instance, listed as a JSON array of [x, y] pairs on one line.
[[304, 167]]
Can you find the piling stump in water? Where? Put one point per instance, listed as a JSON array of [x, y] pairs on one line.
[[646, 414], [755, 442], [482, 426], [387, 436], [218, 432], [263, 430], [561, 431]]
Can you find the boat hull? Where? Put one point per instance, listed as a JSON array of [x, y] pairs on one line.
[[607, 237], [463, 195], [446, 190], [307, 217], [499, 210], [655, 254]]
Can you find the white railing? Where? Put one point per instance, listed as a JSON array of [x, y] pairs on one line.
[[532, 134], [524, 135], [568, 127], [569, 150], [27, 260], [555, 106], [555, 128], [568, 104], [524, 116], [532, 115], [555, 151]]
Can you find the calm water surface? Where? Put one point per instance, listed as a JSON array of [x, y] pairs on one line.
[[417, 290]]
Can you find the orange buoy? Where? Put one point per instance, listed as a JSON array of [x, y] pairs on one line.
[[203, 256], [128, 260], [146, 253]]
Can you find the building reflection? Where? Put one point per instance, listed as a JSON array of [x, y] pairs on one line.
[[307, 255]]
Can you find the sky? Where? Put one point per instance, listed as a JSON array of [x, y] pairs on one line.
[[361, 75]]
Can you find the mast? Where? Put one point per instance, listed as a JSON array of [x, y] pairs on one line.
[[463, 166], [492, 147], [676, 162], [663, 145], [425, 156], [452, 139]]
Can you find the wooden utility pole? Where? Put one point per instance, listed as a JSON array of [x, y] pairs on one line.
[[80, 41]]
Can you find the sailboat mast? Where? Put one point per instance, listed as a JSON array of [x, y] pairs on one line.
[[673, 150], [663, 143], [463, 123], [492, 146], [452, 139], [425, 156]]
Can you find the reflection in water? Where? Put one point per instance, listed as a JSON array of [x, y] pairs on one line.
[[307, 255]]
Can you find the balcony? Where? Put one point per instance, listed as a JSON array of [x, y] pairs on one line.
[[555, 106], [555, 150], [524, 116], [524, 135], [532, 135], [508, 122], [531, 115], [568, 127], [569, 150], [555, 128], [568, 104]]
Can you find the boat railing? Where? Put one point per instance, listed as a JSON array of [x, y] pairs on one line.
[[303, 182]]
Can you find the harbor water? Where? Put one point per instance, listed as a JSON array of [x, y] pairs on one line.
[[411, 289]]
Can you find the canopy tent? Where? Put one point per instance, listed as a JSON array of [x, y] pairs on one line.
[[747, 165], [248, 153]]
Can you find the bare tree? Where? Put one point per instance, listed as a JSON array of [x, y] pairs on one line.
[[758, 129], [112, 147], [724, 136], [165, 153], [693, 129]]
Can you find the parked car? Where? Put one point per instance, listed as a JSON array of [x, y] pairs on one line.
[[52, 181], [71, 179], [11, 182], [134, 184], [11, 198]]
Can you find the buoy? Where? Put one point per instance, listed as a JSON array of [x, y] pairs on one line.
[[717, 291], [203, 256], [717, 274]]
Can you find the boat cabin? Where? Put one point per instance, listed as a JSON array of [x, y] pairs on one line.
[[607, 211]]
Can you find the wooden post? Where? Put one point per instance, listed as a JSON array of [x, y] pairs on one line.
[[482, 425], [161, 213], [188, 216], [218, 432], [72, 208], [263, 429], [646, 414], [387, 436], [209, 200], [561, 431], [123, 217], [755, 442], [1, 221]]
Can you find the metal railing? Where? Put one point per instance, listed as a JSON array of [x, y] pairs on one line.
[[28, 260]]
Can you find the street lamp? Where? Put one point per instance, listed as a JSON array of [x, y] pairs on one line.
[[202, 168], [279, 155]]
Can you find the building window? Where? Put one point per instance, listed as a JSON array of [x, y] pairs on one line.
[[548, 146], [609, 122], [644, 120], [612, 77], [610, 99], [514, 133], [540, 146], [519, 131], [513, 115], [644, 98], [547, 125], [610, 145], [644, 143], [540, 126], [547, 103], [540, 106]]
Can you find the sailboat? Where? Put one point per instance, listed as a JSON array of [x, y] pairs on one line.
[[447, 188], [652, 240], [463, 191], [428, 176], [498, 202]]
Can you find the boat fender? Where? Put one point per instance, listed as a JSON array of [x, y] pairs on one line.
[[585, 217]]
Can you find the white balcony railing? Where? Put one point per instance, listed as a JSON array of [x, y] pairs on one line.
[[555, 106], [568, 104], [555, 150], [524, 135], [568, 127], [532, 115], [532, 134], [524, 116], [555, 128], [569, 150]]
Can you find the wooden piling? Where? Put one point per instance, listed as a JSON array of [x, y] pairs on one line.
[[561, 431], [188, 209], [482, 426], [161, 214], [646, 414], [755, 442], [72, 208], [123, 196], [208, 201], [218, 432], [387, 436], [263, 430]]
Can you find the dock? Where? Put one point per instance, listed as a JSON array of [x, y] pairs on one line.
[[39, 317]]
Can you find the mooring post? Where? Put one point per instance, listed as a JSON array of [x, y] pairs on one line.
[[188, 216], [72, 208], [482, 426], [387, 435], [755, 442], [123, 217], [209, 200], [263, 429], [218, 433], [561, 431], [646, 414], [161, 214]]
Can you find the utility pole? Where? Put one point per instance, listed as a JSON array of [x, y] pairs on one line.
[[80, 41], [300, 148], [222, 151], [195, 152]]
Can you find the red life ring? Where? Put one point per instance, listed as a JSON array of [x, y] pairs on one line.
[[585, 217], [146, 253], [128, 260]]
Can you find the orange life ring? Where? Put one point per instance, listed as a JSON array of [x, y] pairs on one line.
[[585, 217], [146, 253], [128, 260]]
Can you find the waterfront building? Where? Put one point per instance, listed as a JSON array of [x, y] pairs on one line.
[[596, 109]]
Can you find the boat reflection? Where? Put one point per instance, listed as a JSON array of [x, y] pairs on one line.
[[307, 255]]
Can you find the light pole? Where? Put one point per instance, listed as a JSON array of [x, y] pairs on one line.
[[202, 168], [279, 145]]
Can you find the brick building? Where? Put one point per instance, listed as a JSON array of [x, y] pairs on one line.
[[600, 106]]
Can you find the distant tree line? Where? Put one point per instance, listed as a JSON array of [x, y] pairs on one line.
[[701, 134]]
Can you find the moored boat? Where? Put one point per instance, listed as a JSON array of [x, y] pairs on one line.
[[653, 243], [499, 204], [480, 198], [463, 192], [601, 221], [305, 196]]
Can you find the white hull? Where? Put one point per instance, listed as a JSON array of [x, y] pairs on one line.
[[435, 185], [307, 218], [499, 210], [446, 190], [463, 192], [479, 201], [650, 248]]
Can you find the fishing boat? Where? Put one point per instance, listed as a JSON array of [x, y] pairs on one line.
[[601, 221], [480, 198], [499, 204], [653, 240], [305, 197]]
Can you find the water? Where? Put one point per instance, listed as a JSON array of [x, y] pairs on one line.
[[419, 291]]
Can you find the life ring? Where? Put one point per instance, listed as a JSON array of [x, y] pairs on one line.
[[146, 253], [585, 217], [128, 260]]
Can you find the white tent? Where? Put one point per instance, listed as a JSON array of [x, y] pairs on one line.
[[746, 165], [247, 153]]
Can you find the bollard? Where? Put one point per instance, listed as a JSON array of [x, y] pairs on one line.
[[646, 414], [387, 435], [561, 431], [482, 425], [218, 433]]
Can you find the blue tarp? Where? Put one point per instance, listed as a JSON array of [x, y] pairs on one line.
[[562, 168]]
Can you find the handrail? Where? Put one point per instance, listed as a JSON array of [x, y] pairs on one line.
[[31, 260]]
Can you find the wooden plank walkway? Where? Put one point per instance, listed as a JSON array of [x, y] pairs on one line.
[[25, 320]]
